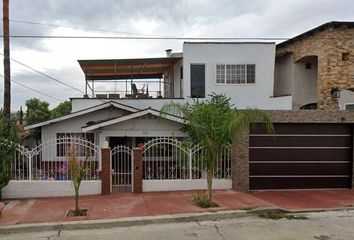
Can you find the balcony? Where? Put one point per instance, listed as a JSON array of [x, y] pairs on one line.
[[140, 83]]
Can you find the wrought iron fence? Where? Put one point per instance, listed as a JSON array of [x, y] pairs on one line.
[[168, 158], [49, 160]]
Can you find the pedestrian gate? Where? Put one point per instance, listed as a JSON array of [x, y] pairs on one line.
[[122, 169]]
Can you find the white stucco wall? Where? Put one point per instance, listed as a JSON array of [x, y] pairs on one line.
[[35, 189], [74, 125], [346, 97], [293, 78], [284, 74], [142, 128], [177, 91], [83, 103], [304, 84], [242, 95], [187, 184]]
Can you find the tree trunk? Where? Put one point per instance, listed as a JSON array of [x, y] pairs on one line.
[[210, 183], [77, 200], [7, 80]]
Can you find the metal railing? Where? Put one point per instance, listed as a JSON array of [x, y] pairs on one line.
[[168, 158], [49, 160]]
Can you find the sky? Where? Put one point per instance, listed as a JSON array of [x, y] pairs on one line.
[[139, 18]]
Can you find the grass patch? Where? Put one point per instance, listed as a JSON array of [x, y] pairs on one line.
[[201, 200], [74, 213], [247, 208], [276, 215]]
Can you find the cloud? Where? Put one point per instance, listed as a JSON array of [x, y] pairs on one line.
[[222, 18]]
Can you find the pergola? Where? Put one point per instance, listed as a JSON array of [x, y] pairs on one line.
[[126, 70]]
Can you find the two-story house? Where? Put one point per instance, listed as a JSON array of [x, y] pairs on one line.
[[316, 68], [123, 96]]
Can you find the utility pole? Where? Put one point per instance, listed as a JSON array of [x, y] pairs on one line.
[[7, 80]]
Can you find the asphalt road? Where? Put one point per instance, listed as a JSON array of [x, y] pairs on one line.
[[319, 226]]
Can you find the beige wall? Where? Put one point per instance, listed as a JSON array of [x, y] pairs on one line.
[[328, 45]]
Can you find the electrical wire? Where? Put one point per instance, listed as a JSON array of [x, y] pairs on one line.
[[149, 38], [25, 86], [84, 28], [46, 75]]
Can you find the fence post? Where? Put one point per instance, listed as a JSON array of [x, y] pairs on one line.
[[106, 175], [138, 169], [30, 166], [190, 164]]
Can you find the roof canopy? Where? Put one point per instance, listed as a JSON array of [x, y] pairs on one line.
[[139, 68]]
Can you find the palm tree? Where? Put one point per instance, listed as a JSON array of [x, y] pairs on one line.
[[213, 124]]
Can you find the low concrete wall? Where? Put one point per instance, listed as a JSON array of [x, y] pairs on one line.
[[187, 184], [35, 189]]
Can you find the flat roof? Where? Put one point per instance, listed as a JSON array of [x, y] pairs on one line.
[[138, 68], [333, 24]]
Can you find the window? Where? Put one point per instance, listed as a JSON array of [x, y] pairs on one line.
[[235, 73], [349, 106], [197, 80], [345, 56], [64, 145]]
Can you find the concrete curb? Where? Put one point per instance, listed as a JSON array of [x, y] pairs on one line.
[[161, 219], [121, 222]]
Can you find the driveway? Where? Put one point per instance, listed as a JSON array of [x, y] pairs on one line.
[[308, 199]]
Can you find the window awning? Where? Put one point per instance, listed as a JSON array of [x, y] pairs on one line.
[[139, 68]]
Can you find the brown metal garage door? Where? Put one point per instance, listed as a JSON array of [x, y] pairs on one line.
[[301, 156]]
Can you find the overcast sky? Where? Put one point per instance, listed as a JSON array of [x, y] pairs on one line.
[[181, 18]]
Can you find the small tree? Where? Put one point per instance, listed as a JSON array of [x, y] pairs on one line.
[[37, 111], [213, 124], [77, 172], [9, 139], [62, 109]]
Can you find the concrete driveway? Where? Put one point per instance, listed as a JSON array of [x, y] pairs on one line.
[[308, 199]]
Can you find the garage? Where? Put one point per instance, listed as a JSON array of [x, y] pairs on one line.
[[301, 156]]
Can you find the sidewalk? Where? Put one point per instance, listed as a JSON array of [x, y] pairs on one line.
[[127, 205], [121, 205]]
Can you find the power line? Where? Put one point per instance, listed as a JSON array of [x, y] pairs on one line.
[[25, 86], [84, 28], [41, 73], [152, 38]]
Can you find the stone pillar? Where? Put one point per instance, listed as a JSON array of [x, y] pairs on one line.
[[138, 169], [106, 176], [240, 168]]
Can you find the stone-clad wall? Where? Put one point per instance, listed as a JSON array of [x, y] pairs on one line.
[[240, 174], [328, 45]]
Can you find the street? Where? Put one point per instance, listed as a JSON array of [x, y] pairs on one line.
[[320, 226]]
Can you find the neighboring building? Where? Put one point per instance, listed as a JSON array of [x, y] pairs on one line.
[[123, 96], [312, 66]]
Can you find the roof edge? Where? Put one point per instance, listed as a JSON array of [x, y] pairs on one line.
[[316, 29]]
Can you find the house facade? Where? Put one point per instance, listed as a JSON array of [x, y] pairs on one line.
[[243, 71], [123, 98], [314, 66]]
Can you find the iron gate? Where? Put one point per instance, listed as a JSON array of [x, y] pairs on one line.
[[122, 169]]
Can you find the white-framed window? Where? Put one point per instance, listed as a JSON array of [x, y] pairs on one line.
[[235, 73]]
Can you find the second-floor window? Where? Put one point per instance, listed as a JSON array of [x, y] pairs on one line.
[[235, 73]]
